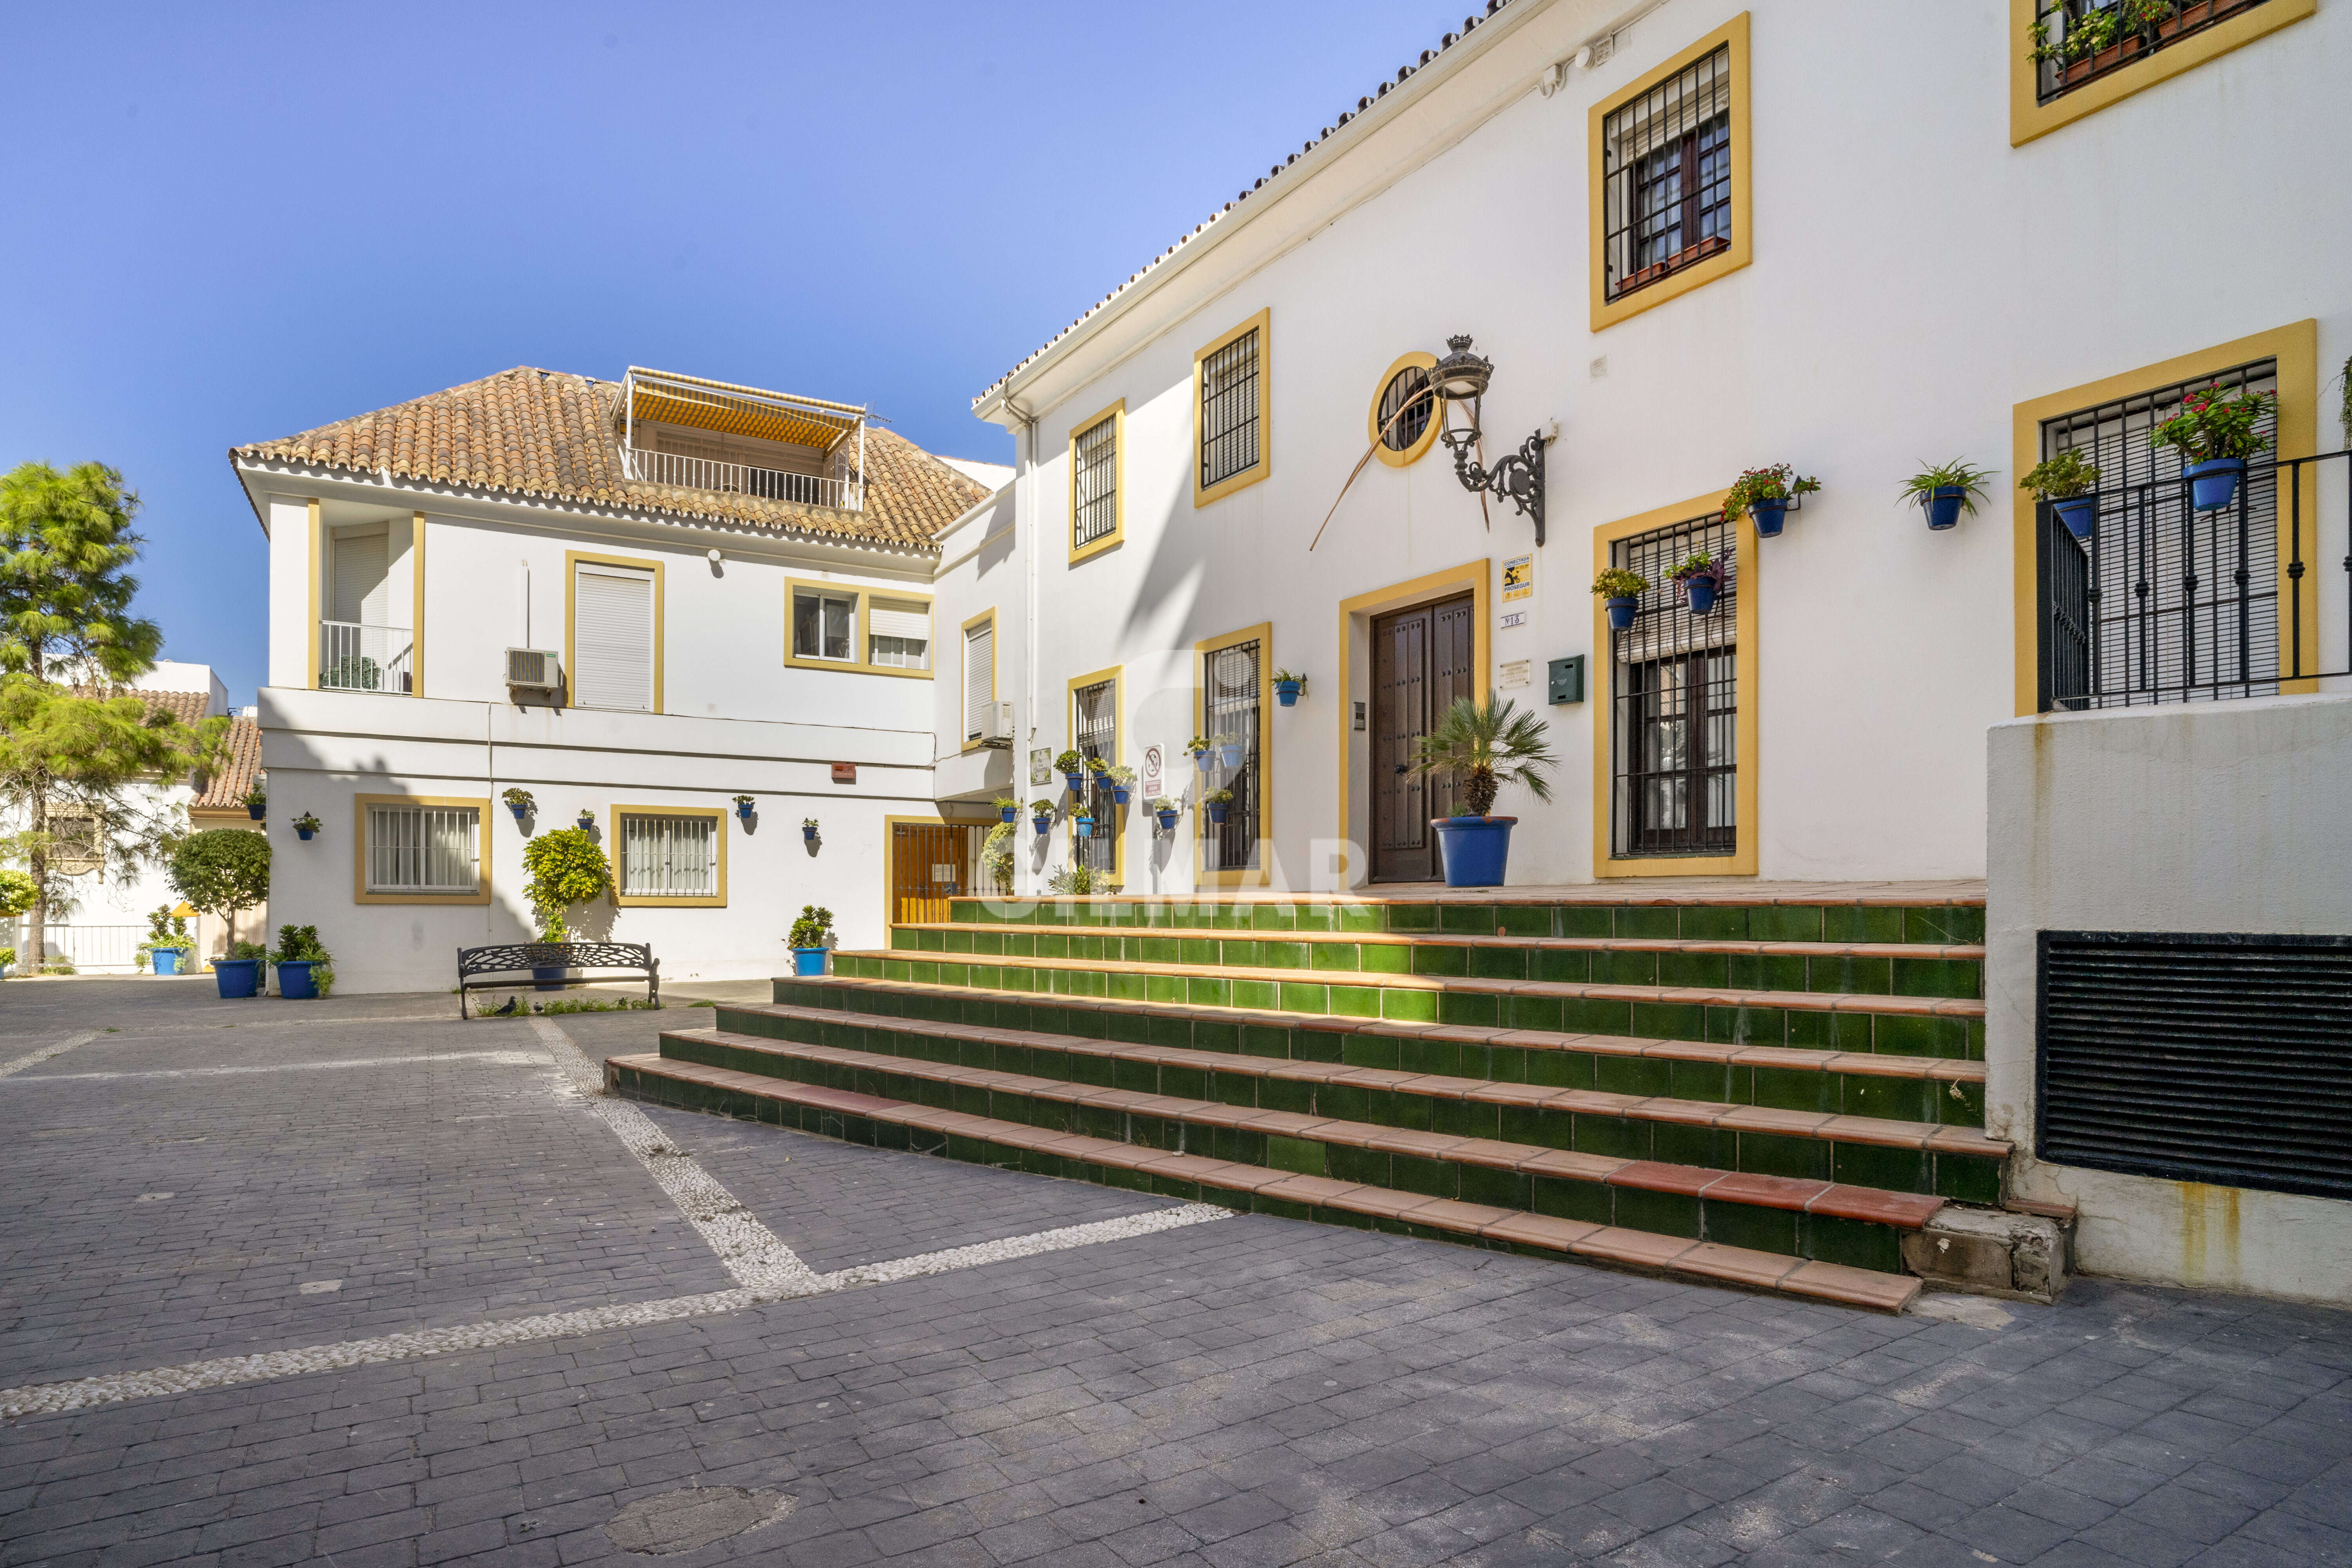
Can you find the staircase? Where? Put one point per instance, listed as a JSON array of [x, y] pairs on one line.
[[1784, 1095]]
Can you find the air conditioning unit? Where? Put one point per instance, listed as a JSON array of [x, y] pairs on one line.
[[996, 726], [535, 671]]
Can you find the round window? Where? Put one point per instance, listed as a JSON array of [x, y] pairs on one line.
[[1404, 417]]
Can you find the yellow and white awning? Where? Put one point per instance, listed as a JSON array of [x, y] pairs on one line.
[[691, 401]]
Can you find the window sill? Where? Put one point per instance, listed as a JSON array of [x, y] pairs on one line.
[[670, 900], [1689, 256]]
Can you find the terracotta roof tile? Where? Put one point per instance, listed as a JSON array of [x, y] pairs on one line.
[[545, 433], [225, 791]]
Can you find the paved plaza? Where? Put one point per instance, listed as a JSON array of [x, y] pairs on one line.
[[354, 1282]]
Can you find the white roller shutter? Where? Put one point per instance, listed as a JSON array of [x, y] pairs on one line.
[[612, 638], [899, 632], [979, 678], [359, 566]]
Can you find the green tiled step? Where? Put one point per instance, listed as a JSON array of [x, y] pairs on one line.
[[1813, 1020], [1861, 1151], [1245, 1188], [1830, 920], [1898, 969], [1858, 1226], [1832, 1083]]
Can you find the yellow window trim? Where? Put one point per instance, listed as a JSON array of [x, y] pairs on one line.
[[642, 902], [963, 645], [1747, 610], [1117, 414], [2028, 118], [416, 605], [1607, 313], [1263, 325], [1413, 453], [572, 560], [1242, 877], [318, 567], [2296, 350], [862, 640], [1117, 676], [1362, 607], [483, 858]]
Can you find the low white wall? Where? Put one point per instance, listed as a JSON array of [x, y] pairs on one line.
[[2227, 816]]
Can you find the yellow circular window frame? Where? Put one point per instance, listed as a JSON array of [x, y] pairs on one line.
[[1381, 450]]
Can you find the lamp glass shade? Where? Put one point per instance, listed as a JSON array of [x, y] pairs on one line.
[[1461, 374]]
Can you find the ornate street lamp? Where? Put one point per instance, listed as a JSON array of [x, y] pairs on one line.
[[1516, 477]]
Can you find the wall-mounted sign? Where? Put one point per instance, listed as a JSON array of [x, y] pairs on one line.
[[845, 772], [1516, 619], [1519, 578], [1513, 672], [1041, 766], [1153, 786]]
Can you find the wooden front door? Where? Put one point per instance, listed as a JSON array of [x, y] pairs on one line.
[[927, 867], [1422, 660]]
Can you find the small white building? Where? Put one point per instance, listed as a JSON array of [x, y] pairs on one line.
[[637, 599]]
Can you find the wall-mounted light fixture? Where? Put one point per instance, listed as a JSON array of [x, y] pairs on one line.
[[1516, 477]]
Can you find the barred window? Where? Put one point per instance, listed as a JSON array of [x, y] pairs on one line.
[[1674, 682], [1234, 681], [1230, 436], [1094, 724], [424, 849], [2079, 41], [669, 857], [1666, 176], [1094, 499]]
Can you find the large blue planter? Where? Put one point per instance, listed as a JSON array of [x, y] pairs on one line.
[[1769, 516], [295, 981], [1621, 610], [2079, 513], [808, 962], [2214, 484], [236, 976], [1943, 507], [1477, 848], [547, 977], [1701, 591], [167, 959]]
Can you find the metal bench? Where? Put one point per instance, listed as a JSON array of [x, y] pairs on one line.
[[523, 957]]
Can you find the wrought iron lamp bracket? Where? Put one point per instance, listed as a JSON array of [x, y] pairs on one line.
[[1516, 477]]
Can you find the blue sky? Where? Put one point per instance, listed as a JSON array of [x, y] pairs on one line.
[[229, 223]]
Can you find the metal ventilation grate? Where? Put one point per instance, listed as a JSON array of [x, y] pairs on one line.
[[2225, 1060]]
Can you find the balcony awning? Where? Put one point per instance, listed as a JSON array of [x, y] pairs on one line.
[[688, 400]]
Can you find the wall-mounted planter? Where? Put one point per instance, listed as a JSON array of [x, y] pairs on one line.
[[808, 832], [2079, 513], [1286, 693], [1217, 812], [1166, 821], [1622, 611], [1008, 814], [743, 814], [1232, 755], [2214, 484], [1043, 825], [1943, 506], [1118, 794], [1700, 592], [236, 977], [304, 834], [257, 812], [1201, 760], [519, 808], [587, 820], [1770, 517], [295, 981], [1084, 827], [1077, 783]]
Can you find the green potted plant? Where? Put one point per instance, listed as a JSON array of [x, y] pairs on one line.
[[1165, 809], [1041, 813], [1219, 802], [306, 827], [2215, 432], [305, 968], [166, 946], [1621, 591], [812, 935], [1007, 809], [1098, 767], [222, 871], [256, 802], [519, 802], [1072, 765], [586, 820], [7, 961], [567, 866], [1121, 781], [808, 829], [1199, 747], [1482, 746], [1288, 686], [1946, 490], [743, 803], [1701, 578], [2067, 481], [1768, 493], [1231, 747]]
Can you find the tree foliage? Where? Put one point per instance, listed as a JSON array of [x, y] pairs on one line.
[[17, 893], [67, 758], [221, 871], [567, 867], [1483, 746], [66, 549]]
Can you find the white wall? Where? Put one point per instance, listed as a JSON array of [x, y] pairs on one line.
[[1914, 278], [2239, 819]]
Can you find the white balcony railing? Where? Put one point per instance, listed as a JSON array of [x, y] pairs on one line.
[[356, 657], [742, 478]]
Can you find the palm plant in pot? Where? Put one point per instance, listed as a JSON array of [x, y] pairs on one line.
[[812, 935], [1701, 577], [1621, 592], [1767, 494], [2067, 481], [2215, 432], [1946, 490], [1482, 746]]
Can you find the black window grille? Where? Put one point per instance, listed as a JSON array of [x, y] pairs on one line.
[[1666, 176], [2163, 603], [1229, 422], [1095, 718], [1405, 407], [2079, 41], [1097, 496], [1233, 683], [1676, 689]]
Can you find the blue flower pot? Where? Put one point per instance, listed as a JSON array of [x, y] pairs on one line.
[[1287, 693], [1043, 825], [304, 834], [1217, 813], [1200, 760], [1233, 755], [167, 959], [1770, 517], [236, 976], [2079, 513], [520, 811], [808, 962], [586, 821], [808, 833], [257, 812], [1118, 794], [547, 977], [1008, 814], [1700, 591], [1084, 827], [296, 983], [1077, 783], [2214, 484], [1166, 822], [1477, 848], [1943, 507], [743, 815], [1621, 610]]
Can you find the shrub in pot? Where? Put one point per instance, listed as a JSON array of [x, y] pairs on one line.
[[1946, 490], [1165, 810], [808, 829], [1041, 814], [167, 946], [743, 803], [812, 935], [1121, 781], [1199, 746], [1767, 494], [1072, 766], [2215, 432], [521, 802], [1007, 808], [256, 802], [1480, 747], [1701, 578], [567, 866], [221, 871], [305, 826], [1621, 592], [305, 968], [2067, 481], [1219, 802]]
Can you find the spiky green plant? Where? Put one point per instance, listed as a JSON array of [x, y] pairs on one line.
[[1482, 746]]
